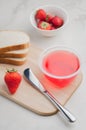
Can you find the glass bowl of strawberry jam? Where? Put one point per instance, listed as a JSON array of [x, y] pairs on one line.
[[60, 65]]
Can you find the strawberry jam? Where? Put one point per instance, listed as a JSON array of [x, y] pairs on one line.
[[61, 63]]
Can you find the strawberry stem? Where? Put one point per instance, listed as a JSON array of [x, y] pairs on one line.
[[12, 70], [44, 25]]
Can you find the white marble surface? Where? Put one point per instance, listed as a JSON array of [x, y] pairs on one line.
[[14, 14]]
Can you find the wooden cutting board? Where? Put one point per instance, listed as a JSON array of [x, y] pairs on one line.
[[30, 98]]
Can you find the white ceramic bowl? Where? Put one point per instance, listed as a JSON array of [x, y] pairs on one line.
[[53, 10], [62, 68]]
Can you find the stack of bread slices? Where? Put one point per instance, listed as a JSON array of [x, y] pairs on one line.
[[14, 47]]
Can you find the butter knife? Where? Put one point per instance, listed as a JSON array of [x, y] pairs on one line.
[[35, 82]]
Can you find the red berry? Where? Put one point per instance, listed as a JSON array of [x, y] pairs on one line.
[[44, 25], [48, 18], [52, 28], [57, 21], [40, 14], [12, 79]]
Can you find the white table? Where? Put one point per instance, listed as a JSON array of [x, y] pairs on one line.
[[14, 14]]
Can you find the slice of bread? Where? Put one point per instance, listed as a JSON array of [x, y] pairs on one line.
[[15, 54], [13, 61], [12, 55], [13, 40]]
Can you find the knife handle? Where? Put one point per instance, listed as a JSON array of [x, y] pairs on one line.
[[62, 109]]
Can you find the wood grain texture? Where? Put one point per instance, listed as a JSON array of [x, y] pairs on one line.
[[30, 98]]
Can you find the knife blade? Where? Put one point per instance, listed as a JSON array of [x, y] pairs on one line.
[[36, 83]]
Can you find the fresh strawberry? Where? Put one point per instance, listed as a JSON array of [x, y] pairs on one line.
[[52, 27], [48, 18], [12, 79], [40, 14], [44, 25], [57, 21]]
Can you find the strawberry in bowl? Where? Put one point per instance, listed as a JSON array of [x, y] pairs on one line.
[[48, 19], [44, 25], [40, 14], [57, 21]]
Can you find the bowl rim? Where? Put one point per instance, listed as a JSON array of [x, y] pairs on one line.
[[59, 48], [58, 7]]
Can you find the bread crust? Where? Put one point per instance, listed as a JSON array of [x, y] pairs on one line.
[[14, 47], [12, 62], [13, 55]]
